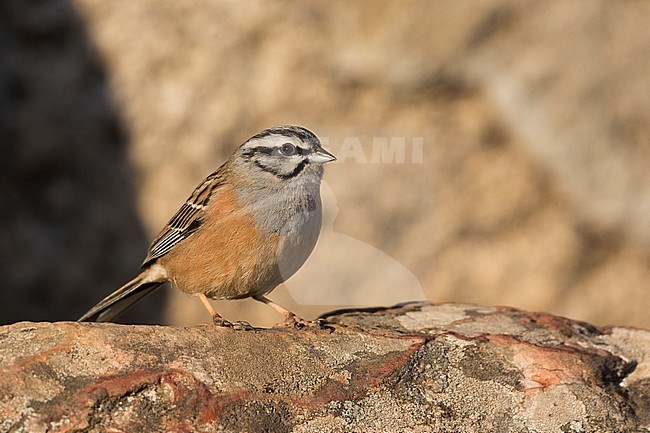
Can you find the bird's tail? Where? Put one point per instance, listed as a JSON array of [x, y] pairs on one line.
[[122, 298]]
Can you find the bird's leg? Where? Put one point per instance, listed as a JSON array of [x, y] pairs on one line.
[[216, 317], [290, 319]]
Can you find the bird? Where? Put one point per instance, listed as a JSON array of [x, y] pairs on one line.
[[245, 229]]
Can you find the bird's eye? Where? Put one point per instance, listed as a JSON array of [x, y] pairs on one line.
[[288, 149]]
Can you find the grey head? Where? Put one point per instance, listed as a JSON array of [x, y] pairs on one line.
[[283, 153], [279, 172]]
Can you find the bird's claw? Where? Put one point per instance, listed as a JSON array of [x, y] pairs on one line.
[[220, 321], [297, 323], [240, 325], [324, 325]]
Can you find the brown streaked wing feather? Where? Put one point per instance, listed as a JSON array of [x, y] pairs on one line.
[[187, 220]]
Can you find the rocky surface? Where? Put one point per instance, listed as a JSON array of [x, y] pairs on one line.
[[414, 368]]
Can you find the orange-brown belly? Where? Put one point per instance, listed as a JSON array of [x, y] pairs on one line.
[[227, 257]]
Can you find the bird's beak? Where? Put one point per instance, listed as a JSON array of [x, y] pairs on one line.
[[321, 156]]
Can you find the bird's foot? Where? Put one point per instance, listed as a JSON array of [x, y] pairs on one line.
[[296, 322], [220, 321], [235, 326], [241, 325], [323, 325]]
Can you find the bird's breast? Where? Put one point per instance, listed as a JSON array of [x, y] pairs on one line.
[[295, 217], [228, 257], [244, 250]]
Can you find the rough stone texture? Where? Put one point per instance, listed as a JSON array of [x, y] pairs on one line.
[[414, 368], [534, 189]]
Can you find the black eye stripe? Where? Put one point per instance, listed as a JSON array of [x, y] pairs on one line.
[[270, 150], [263, 149]]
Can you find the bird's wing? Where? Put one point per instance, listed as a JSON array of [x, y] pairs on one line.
[[187, 220]]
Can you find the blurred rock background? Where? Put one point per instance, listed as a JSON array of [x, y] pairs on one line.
[[533, 117]]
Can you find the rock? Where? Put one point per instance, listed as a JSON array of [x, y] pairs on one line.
[[411, 368]]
